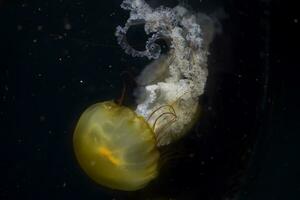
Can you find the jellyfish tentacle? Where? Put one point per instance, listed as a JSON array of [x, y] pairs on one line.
[[167, 123], [157, 109], [170, 106], [161, 115], [166, 126], [122, 97]]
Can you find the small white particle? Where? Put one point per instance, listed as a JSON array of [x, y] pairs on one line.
[[109, 66], [81, 81], [19, 27], [68, 26], [34, 40], [42, 118], [295, 20]]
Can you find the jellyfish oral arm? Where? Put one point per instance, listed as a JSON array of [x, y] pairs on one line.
[[180, 73]]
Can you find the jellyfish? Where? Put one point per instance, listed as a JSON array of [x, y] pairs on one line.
[[118, 147]]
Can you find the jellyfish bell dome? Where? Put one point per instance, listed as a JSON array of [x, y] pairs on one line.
[[116, 147]]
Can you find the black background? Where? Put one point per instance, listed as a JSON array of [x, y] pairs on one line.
[[58, 57]]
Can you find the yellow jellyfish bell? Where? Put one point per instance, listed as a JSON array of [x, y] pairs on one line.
[[116, 147]]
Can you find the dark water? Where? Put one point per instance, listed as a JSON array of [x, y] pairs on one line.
[[60, 56]]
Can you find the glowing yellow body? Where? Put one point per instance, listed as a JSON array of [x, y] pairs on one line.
[[115, 147]]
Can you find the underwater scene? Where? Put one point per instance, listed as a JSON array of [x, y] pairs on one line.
[[135, 99]]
